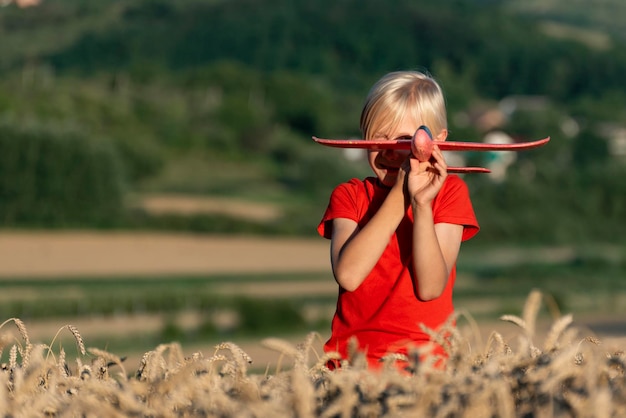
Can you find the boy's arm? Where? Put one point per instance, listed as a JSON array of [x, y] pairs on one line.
[[435, 250], [354, 252], [435, 247]]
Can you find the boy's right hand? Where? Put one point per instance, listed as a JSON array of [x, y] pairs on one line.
[[401, 185]]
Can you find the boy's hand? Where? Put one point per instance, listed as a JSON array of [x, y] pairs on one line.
[[400, 185], [424, 180]]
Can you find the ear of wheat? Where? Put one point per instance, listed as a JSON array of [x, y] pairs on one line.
[[569, 376]]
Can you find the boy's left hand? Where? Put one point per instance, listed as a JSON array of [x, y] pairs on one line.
[[424, 179]]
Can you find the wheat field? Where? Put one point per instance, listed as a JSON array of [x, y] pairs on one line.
[[566, 374]]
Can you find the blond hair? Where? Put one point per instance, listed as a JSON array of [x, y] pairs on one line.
[[402, 93]]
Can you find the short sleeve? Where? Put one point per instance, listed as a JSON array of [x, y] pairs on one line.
[[453, 205], [343, 203]]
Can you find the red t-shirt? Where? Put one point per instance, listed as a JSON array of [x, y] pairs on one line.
[[383, 313]]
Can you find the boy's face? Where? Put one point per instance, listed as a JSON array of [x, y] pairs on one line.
[[386, 163]]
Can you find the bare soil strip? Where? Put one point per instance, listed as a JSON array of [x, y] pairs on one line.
[[190, 205], [71, 254]]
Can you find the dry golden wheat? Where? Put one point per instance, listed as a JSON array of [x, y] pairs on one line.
[[572, 376]]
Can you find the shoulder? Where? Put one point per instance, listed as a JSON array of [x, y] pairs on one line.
[[356, 186], [349, 200], [453, 205], [454, 183], [453, 188]]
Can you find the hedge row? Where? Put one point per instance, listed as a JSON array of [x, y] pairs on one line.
[[57, 176]]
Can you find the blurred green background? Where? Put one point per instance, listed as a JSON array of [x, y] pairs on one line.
[[103, 100], [105, 105]]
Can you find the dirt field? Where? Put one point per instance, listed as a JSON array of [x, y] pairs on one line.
[[48, 254], [159, 204]]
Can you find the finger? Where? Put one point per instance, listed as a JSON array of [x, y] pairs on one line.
[[439, 158], [441, 161], [439, 166], [437, 153], [440, 170], [415, 165], [426, 166]]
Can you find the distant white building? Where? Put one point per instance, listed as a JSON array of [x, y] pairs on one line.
[[499, 161], [616, 136], [512, 104]]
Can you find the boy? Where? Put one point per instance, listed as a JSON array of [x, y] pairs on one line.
[[395, 237]]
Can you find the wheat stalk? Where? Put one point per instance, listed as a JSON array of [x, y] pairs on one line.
[[108, 358], [515, 320], [239, 355], [531, 310], [77, 337], [556, 331], [472, 323], [61, 364], [501, 346], [563, 380], [20, 327], [307, 346], [13, 357]]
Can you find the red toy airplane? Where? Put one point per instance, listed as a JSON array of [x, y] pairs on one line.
[[421, 145]]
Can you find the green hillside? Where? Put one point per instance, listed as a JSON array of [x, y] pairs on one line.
[[600, 19], [210, 97]]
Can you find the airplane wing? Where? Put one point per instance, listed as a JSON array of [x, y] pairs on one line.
[[405, 144]]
